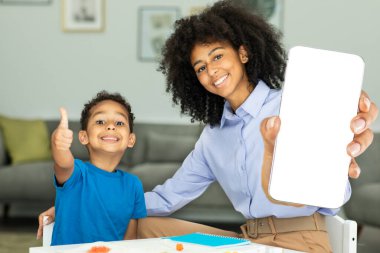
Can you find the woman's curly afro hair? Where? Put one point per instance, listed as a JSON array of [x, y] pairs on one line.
[[225, 21]]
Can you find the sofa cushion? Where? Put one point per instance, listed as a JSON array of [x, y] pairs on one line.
[[214, 196], [153, 174], [364, 204], [139, 153], [209, 214], [168, 148], [25, 140], [27, 182]]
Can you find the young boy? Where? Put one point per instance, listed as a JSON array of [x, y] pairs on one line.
[[94, 200]]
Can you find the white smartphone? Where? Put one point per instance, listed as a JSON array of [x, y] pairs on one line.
[[320, 98]]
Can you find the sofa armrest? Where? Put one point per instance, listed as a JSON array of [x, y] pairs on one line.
[[3, 155]]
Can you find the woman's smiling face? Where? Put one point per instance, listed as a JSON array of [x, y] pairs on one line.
[[220, 69]]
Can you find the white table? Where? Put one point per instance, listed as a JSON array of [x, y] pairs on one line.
[[158, 245]]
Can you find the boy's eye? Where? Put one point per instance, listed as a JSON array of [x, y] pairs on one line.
[[218, 57], [120, 123], [100, 122]]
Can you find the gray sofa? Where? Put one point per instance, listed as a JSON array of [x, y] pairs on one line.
[[364, 205], [158, 153]]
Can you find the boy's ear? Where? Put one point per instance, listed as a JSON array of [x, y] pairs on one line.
[[131, 140], [243, 54], [83, 138]]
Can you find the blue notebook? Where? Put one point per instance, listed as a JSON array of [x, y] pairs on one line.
[[209, 240]]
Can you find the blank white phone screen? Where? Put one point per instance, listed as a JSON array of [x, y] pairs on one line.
[[320, 98]]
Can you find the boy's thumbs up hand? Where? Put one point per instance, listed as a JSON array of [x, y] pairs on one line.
[[62, 136], [64, 119]]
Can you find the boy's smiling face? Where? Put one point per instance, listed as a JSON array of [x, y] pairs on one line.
[[107, 129]]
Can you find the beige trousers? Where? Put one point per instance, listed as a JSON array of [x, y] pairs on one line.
[[307, 241]]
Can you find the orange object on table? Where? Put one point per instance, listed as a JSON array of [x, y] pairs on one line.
[[99, 249], [179, 247]]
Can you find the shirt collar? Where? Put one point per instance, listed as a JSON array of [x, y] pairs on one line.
[[252, 105]]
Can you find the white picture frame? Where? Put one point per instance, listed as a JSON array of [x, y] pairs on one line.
[[83, 15], [25, 2], [155, 25]]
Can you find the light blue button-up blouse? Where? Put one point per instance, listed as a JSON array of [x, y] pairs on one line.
[[230, 153]]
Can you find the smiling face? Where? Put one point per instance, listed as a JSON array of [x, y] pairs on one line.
[[220, 69], [108, 129]]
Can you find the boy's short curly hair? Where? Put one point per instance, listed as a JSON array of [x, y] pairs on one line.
[[100, 97], [225, 21]]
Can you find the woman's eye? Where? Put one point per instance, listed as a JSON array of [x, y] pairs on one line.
[[100, 122], [120, 123], [201, 69]]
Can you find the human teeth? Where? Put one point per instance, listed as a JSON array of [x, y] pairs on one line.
[[109, 138], [221, 80]]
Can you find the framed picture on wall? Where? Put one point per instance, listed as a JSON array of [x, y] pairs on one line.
[[194, 10], [83, 15], [25, 2], [271, 10], [155, 25]]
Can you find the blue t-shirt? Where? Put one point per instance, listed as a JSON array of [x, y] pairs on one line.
[[96, 205]]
